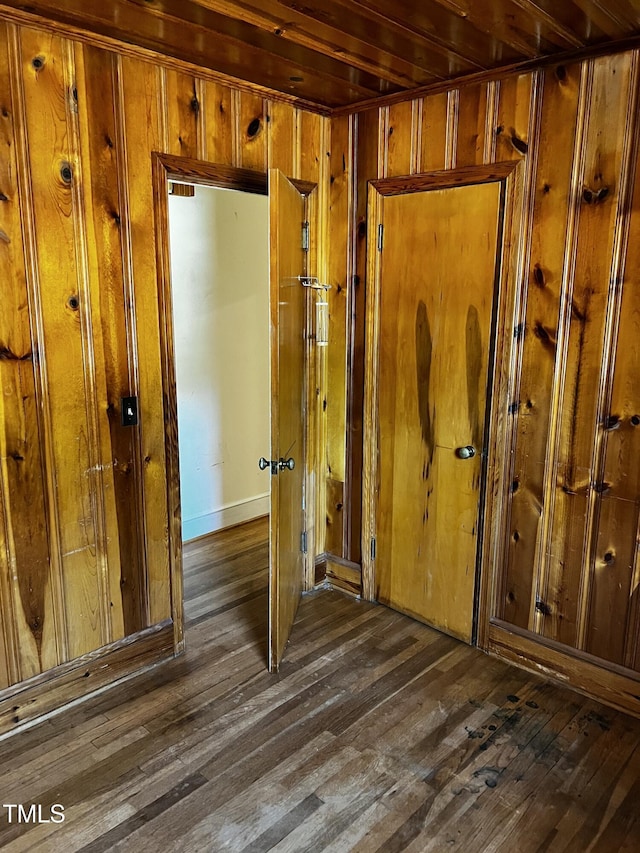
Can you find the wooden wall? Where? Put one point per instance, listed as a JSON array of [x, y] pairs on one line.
[[83, 501], [83, 504], [570, 568]]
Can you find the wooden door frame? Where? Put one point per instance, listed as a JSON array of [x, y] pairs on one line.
[[494, 486], [166, 168]]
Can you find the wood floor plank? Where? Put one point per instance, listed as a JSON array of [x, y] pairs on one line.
[[378, 734]]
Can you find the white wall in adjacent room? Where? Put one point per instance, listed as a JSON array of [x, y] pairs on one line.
[[220, 280]]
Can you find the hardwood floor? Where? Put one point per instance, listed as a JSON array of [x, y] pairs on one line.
[[378, 734]]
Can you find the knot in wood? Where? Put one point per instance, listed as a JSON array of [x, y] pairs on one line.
[[519, 144], [538, 275], [254, 127], [543, 607], [601, 488], [66, 172], [612, 422], [540, 332], [590, 196]]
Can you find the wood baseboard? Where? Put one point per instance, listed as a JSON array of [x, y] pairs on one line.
[[617, 687], [29, 702], [339, 574]]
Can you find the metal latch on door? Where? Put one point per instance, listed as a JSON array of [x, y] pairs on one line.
[[277, 465]]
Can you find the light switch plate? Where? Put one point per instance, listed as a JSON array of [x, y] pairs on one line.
[[129, 411]]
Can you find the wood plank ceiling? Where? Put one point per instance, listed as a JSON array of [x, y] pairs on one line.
[[337, 53]]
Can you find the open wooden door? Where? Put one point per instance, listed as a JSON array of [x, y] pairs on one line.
[[287, 214]]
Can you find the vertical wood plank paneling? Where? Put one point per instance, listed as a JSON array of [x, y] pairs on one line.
[[310, 136], [632, 650], [83, 504], [451, 140], [621, 465], [218, 117], [612, 607], [513, 117], [340, 262], [101, 156], [8, 661], [14, 333], [540, 331], [433, 138], [93, 359], [252, 131], [368, 164], [54, 647], [52, 164], [604, 130], [90, 279], [282, 137], [490, 139], [472, 125], [546, 580], [608, 604], [183, 114], [399, 139], [24, 539], [140, 95], [5, 677]]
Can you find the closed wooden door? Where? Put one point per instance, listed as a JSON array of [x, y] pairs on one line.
[[436, 265], [288, 298]]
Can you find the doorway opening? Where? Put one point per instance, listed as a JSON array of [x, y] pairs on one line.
[[219, 262], [292, 220]]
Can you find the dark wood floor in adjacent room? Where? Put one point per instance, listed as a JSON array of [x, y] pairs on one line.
[[379, 734]]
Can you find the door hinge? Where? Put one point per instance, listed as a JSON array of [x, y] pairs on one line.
[[305, 236], [380, 236], [303, 542], [373, 547]]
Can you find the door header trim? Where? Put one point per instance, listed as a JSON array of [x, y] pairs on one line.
[[445, 179]]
